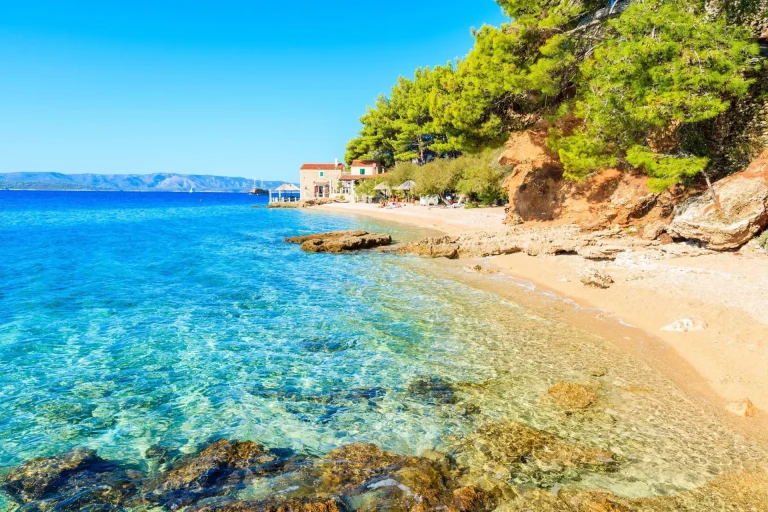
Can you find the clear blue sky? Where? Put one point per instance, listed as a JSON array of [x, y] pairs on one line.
[[234, 88]]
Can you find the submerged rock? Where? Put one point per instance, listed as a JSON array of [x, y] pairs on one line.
[[571, 396], [736, 492], [432, 390], [76, 480], [526, 454], [273, 505], [340, 241], [214, 470], [372, 479]]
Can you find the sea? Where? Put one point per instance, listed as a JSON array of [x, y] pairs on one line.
[[136, 321]]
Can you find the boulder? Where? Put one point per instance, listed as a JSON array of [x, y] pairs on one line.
[[340, 241], [571, 396], [742, 212], [595, 278]]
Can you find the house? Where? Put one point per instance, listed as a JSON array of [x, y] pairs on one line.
[[365, 168], [359, 170], [320, 180]]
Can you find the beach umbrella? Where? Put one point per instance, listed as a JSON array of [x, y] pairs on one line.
[[383, 187], [407, 187]]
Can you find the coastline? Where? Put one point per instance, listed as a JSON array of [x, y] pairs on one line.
[[726, 361]]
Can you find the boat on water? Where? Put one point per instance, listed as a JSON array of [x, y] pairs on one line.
[[257, 191]]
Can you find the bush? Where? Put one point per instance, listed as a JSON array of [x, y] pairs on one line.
[[762, 240]]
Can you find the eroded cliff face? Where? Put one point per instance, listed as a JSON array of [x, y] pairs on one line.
[[539, 193]]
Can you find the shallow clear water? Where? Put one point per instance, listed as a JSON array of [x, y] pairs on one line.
[[129, 321]]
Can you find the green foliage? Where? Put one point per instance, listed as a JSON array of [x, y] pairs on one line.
[[437, 177], [365, 187], [640, 89], [762, 240], [665, 66], [665, 170], [401, 173], [477, 176], [480, 178]]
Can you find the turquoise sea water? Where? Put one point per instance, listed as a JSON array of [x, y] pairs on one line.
[[135, 321]]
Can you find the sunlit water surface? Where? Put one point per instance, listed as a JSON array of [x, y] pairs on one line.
[[130, 321]]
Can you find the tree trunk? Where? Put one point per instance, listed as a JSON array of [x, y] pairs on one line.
[[712, 191]]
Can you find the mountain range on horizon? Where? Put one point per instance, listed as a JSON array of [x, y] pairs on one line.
[[157, 182]]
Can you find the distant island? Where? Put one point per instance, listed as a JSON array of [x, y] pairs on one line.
[[158, 182]]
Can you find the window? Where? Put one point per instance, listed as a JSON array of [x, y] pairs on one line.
[[322, 174], [362, 171]]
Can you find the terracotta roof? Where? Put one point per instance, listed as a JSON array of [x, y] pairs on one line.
[[355, 177], [364, 163], [321, 167]]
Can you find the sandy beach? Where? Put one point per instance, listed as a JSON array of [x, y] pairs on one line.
[[723, 294]]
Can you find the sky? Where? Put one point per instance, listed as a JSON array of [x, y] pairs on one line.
[[231, 88]]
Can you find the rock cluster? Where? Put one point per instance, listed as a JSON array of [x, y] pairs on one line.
[[354, 477], [569, 239], [362, 477], [340, 241]]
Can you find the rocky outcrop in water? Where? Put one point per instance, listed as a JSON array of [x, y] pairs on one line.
[[76, 480], [363, 477], [741, 210], [357, 476], [340, 241], [215, 469]]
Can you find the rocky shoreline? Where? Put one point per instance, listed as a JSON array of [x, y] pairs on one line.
[[360, 476]]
